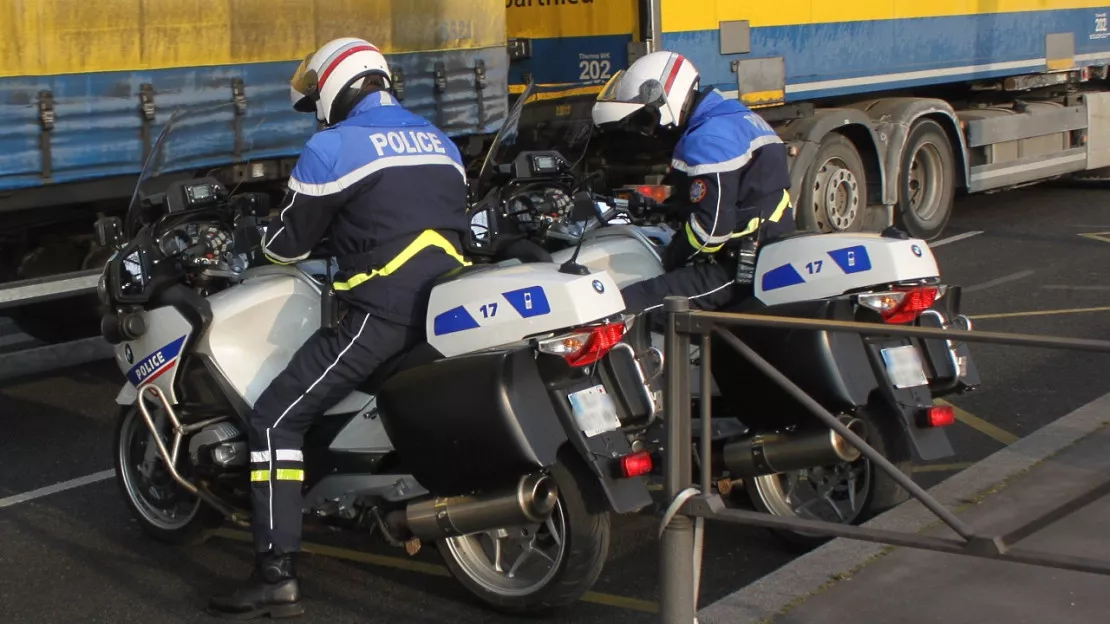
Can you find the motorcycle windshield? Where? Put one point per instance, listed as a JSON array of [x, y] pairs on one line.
[[195, 141], [543, 118]]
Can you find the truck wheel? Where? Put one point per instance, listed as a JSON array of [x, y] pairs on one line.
[[834, 191], [926, 181]]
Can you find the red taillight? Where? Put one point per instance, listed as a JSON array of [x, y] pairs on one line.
[[659, 193], [585, 346], [656, 192], [636, 464], [938, 416], [901, 305]]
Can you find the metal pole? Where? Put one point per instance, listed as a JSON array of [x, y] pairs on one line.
[[820, 412], [706, 415], [676, 557], [705, 321]]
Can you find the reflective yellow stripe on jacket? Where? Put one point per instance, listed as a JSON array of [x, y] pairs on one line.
[[427, 238], [752, 226]]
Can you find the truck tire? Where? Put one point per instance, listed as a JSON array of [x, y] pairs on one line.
[[834, 189], [926, 181]]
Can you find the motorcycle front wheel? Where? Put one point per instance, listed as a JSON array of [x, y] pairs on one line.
[[165, 510], [538, 568], [846, 493]]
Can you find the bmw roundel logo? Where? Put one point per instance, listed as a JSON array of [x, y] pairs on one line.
[[599, 287], [128, 354], [916, 251]]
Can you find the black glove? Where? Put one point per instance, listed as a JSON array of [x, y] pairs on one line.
[[678, 252]]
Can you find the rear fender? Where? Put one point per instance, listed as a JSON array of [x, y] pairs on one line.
[[602, 454], [906, 403]]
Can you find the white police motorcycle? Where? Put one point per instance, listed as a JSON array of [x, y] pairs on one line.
[[495, 440]]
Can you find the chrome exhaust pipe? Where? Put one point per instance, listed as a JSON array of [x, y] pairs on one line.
[[770, 453], [530, 500]]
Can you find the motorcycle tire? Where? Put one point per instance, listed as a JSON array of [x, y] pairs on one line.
[[584, 547], [192, 528], [882, 492]]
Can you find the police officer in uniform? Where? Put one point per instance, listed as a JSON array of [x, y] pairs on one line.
[[388, 190], [729, 172]]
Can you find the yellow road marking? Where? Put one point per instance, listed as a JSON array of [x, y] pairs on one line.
[[432, 569], [980, 425], [1102, 237], [384, 561], [980, 317], [943, 467]]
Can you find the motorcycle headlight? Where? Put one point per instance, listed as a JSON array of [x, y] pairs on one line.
[[102, 289]]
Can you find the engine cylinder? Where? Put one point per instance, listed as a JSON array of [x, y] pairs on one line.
[[530, 500], [770, 453]]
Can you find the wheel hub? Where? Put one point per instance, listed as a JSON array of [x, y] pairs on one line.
[[836, 195], [513, 561], [924, 181]]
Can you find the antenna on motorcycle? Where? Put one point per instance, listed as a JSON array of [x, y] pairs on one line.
[[583, 208]]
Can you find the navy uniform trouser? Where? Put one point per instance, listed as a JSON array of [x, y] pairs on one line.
[[326, 368], [707, 286]]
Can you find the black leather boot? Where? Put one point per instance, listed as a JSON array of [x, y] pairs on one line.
[[272, 590]]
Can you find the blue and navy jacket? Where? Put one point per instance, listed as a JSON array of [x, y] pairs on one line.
[[373, 183], [731, 176]]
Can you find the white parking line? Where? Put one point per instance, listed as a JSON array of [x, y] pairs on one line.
[[953, 239], [1013, 277], [57, 487], [1067, 287]]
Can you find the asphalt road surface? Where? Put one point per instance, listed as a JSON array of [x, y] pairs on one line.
[[1033, 261]]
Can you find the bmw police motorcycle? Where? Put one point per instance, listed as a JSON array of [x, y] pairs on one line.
[[497, 440], [765, 440]]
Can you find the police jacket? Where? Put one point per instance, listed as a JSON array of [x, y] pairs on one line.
[[389, 191], [730, 176]]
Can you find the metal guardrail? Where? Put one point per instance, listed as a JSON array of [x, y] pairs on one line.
[[677, 566], [13, 294]]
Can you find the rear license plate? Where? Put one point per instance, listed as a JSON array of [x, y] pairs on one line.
[[904, 367], [594, 411]]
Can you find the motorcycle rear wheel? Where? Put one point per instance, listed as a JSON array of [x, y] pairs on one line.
[[873, 492], [165, 511], [554, 563]]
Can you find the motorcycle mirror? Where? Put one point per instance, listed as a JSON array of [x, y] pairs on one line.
[[109, 231], [584, 207]]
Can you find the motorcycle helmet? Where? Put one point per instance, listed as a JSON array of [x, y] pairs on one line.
[[657, 91], [330, 80]]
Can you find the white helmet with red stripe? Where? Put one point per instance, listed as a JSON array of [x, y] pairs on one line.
[[656, 90], [328, 80]]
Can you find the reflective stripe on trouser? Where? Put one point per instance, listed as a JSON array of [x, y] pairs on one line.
[[700, 240], [427, 238], [325, 369]]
